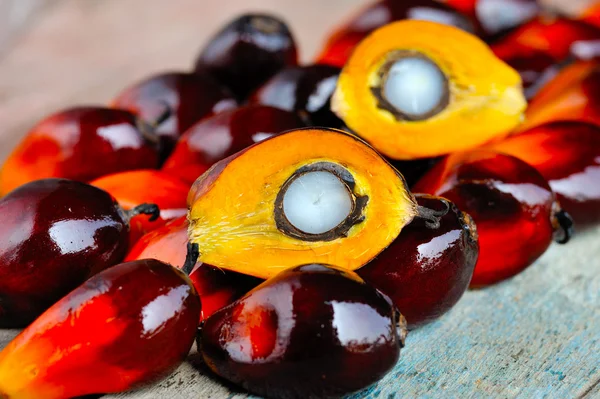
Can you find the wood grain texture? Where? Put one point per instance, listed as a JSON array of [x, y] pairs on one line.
[[535, 336]]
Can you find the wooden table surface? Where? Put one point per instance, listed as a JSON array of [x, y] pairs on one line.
[[537, 335]]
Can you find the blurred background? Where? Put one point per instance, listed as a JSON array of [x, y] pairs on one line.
[[65, 52]]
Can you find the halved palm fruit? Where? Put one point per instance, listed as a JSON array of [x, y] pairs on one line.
[[417, 89], [306, 196]]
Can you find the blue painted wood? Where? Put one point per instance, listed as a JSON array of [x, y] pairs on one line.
[[535, 336]]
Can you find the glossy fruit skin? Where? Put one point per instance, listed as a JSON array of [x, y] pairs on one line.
[[247, 52], [496, 18], [215, 138], [567, 154], [311, 331], [425, 271], [187, 96], [306, 90], [147, 186], [55, 234], [79, 144], [464, 6], [511, 203], [541, 43], [573, 94], [167, 244], [135, 322], [217, 288], [342, 41]]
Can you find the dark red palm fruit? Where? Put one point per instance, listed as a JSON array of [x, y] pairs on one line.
[[498, 17], [341, 42], [80, 144], [152, 186], [247, 52], [426, 270], [413, 170], [567, 154], [224, 134], [311, 331], [184, 97], [55, 234], [306, 90], [511, 203], [128, 325], [574, 94], [217, 288], [541, 43]]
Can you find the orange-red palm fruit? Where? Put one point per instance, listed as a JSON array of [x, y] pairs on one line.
[[128, 325], [217, 288], [340, 43], [80, 144], [147, 186], [541, 43], [513, 206], [224, 134], [464, 6], [567, 154], [592, 14], [573, 94]]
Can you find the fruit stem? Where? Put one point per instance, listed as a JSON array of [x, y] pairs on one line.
[[191, 258], [401, 328], [432, 217], [144, 209], [148, 129], [565, 223], [162, 117]]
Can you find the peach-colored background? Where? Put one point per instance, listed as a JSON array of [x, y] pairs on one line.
[[58, 53]]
